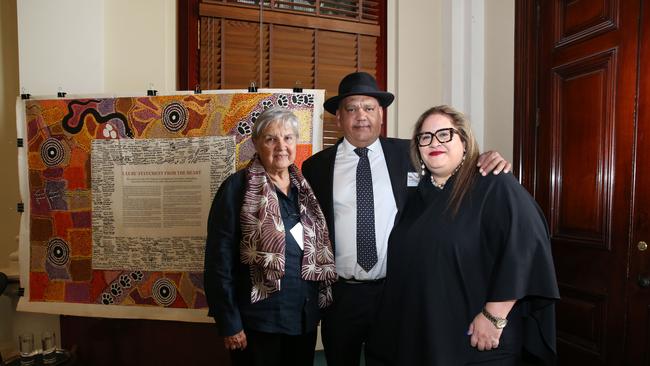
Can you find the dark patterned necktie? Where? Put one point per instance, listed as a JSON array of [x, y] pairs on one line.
[[366, 248]]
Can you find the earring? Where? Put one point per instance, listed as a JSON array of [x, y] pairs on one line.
[[423, 167], [462, 161]]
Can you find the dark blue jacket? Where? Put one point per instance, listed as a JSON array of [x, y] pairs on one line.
[[293, 310]]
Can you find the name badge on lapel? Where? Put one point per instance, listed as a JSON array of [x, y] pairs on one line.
[[412, 179], [297, 233]]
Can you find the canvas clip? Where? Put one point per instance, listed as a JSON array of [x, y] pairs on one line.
[[151, 92], [23, 94], [297, 88]]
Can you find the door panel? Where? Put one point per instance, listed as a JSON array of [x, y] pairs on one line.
[[581, 19], [638, 325], [583, 171], [583, 201], [580, 317]]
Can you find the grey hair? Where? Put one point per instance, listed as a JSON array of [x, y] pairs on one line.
[[275, 115]]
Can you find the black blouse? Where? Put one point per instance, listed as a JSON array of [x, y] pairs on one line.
[[442, 269]]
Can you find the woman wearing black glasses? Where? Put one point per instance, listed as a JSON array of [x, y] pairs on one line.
[[470, 277]]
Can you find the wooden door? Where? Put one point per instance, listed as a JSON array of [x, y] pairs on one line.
[[577, 155], [638, 324]]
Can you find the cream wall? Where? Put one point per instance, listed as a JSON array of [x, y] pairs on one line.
[[61, 45], [12, 323], [140, 45], [499, 80], [9, 185], [433, 49], [414, 61], [79, 46], [97, 46], [9, 195]]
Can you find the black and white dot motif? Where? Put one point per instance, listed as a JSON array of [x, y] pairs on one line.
[[267, 104], [244, 128], [283, 101], [254, 116], [298, 99], [302, 99], [164, 292], [366, 246], [53, 152], [125, 281], [137, 275], [175, 116], [58, 252], [107, 299], [116, 290]]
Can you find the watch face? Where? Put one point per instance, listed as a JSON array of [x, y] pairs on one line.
[[501, 323]]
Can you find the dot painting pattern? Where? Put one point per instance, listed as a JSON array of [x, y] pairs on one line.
[[58, 252], [164, 292], [366, 247], [52, 152], [59, 137], [175, 117]]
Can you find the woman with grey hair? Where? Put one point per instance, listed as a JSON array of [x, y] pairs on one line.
[[269, 264]]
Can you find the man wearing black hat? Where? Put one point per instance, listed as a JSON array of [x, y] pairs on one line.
[[361, 184]]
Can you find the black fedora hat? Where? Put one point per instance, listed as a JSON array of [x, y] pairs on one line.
[[358, 83]]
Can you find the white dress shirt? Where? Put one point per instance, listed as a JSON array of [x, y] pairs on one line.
[[345, 210]]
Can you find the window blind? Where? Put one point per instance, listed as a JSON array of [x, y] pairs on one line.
[[281, 44]]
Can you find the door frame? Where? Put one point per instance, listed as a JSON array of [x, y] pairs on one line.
[[525, 89]]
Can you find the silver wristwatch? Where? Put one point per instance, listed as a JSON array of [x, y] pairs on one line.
[[499, 323]]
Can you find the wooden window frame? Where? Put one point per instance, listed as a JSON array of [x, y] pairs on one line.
[[188, 41]]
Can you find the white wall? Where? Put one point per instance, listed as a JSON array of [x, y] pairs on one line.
[[79, 46], [499, 80], [456, 52], [96, 46], [140, 45], [414, 61], [61, 45]]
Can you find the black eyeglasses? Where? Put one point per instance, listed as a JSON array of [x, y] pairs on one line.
[[443, 135]]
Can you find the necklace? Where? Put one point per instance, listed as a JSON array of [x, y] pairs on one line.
[[442, 185], [436, 184]]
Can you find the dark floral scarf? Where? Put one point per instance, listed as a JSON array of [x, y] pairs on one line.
[[262, 244]]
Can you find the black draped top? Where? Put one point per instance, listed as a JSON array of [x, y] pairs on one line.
[[442, 269]]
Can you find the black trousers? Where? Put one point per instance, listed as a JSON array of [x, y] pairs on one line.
[[346, 323], [271, 349]]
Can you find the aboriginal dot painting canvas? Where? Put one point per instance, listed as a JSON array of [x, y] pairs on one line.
[[117, 191]]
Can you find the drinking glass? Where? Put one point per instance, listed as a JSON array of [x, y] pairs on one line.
[[26, 343], [48, 341]]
